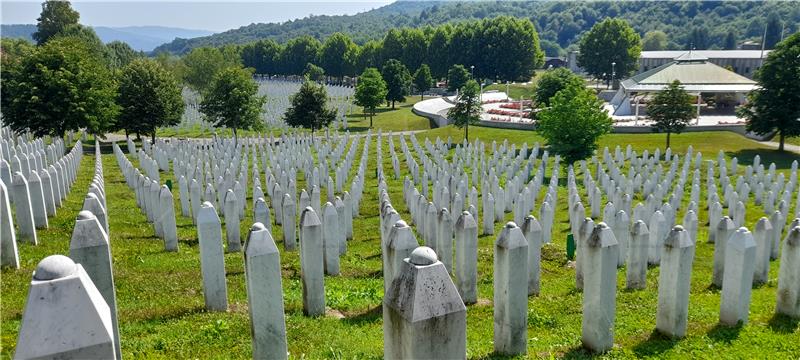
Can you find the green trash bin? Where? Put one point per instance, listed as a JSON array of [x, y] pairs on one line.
[[570, 247], [169, 185]]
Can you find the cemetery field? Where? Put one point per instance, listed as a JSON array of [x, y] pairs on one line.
[[399, 119], [161, 306]]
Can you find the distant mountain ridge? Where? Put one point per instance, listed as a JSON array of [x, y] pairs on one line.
[[143, 38], [559, 23]]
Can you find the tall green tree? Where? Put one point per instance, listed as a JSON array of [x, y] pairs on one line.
[[610, 41], [370, 91], [202, 65], [232, 100], [398, 81], [60, 86], [314, 72], [297, 53], [773, 31], [573, 123], [553, 81], [423, 79], [262, 56], [369, 56], [671, 109], [457, 77], [338, 55], [438, 51], [55, 16], [654, 40], [149, 97], [120, 54], [309, 108], [698, 38], [514, 53], [730, 40], [775, 104], [468, 107]]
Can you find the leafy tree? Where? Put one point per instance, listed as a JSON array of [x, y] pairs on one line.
[[698, 39], [457, 77], [671, 109], [415, 48], [370, 91], [438, 51], [553, 81], [514, 53], [573, 123], [551, 48], [120, 54], [14, 50], [309, 108], [468, 107], [611, 40], [297, 53], [262, 56], [654, 40], [149, 97], [338, 55], [59, 87], [775, 104], [55, 16], [422, 79], [314, 72], [88, 36], [202, 65], [232, 100], [398, 81], [392, 46], [730, 40], [774, 28], [369, 56]]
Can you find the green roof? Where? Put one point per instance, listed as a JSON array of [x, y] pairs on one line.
[[689, 72]]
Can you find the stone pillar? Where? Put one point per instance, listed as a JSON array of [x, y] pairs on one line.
[[37, 200], [444, 239], [585, 230], [338, 204], [232, 222], [399, 245], [212, 261], [724, 231], [311, 263], [737, 281], [533, 234], [599, 289], [9, 254], [789, 276], [488, 215], [168, 219], [261, 213], [24, 213], [65, 315], [510, 291], [658, 232], [777, 230], [674, 283], [330, 238], [289, 214], [423, 321], [265, 294], [183, 191], [762, 236], [90, 248], [622, 231], [466, 235]]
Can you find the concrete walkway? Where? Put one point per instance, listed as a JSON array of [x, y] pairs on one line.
[[788, 147]]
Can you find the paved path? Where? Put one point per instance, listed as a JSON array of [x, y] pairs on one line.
[[788, 147]]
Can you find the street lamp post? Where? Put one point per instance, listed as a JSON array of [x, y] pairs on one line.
[[613, 72], [507, 93], [472, 71]]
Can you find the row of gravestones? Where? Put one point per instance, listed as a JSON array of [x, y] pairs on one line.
[[71, 309], [36, 196]]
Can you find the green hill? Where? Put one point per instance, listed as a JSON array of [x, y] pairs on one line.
[[559, 22]]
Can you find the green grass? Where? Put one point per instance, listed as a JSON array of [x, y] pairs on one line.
[[793, 140], [161, 303], [387, 119]]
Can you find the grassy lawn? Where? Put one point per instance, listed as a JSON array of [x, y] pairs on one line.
[[399, 119], [160, 298], [515, 90], [793, 140]]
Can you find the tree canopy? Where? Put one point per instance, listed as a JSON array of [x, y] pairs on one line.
[[370, 91], [654, 40], [309, 107], [423, 79], [338, 55], [468, 107], [398, 81], [203, 64], [610, 41], [59, 87], [457, 77], [775, 104], [573, 123], [671, 109], [149, 97], [232, 100], [553, 81], [56, 15]]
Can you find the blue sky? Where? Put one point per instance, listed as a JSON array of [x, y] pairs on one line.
[[203, 15]]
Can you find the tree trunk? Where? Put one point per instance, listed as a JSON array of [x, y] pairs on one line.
[[392, 104], [153, 137], [466, 132], [235, 138], [668, 133], [780, 143], [371, 113]]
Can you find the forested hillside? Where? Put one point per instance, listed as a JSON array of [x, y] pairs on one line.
[[703, 24]]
